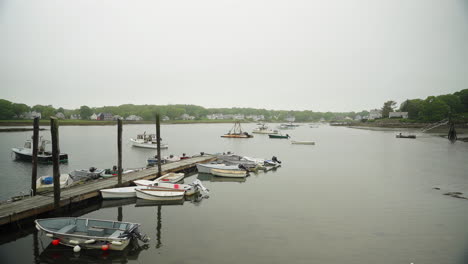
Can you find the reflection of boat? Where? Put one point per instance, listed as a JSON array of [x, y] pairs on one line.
[[298, 142], [405, 136], [279, 136], [263, 129], [147, 141], [207, 167], [212, 178], [142, 202], [90, 233], [160, 194], [63, 254], [46, 183], [111, 203], [43, 156], [229, 173], [236, 132]]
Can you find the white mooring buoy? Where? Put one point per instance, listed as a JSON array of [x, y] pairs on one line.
[[76, 248]]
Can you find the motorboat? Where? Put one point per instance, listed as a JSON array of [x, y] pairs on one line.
[[46, 183], [114, 172], [302, 142], [189, 189], [207, 167], [84, 175], [405, 136], [147, 141], [236, 132], [160, 194], [229, 173], [232, 159], [43, 156], [278, 136], [90, 233], [263, 129]]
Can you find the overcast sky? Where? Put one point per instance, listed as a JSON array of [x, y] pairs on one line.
[[327, 55]]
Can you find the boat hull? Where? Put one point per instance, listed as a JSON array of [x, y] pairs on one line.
[[65, 181], [302, 142], [120, 193], [41, 158], [160, 194], [148, 145], [237, 136], [229, 173], [206, 168], [277, 136]]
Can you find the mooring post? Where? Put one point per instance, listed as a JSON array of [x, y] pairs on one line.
[[158, 144], [55, 159], [34, 155], [119, 151]]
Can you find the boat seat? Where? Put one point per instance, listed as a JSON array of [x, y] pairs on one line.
[[95, 231], [67, 229], [116, 234]]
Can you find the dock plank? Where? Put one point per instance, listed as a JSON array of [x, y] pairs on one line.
[[31, 206]]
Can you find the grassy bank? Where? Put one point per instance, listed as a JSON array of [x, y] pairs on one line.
[[69, 122]]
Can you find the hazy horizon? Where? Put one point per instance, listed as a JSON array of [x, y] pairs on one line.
[[337, 56]]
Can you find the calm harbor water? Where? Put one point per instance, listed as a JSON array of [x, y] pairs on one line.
[[357, 196]]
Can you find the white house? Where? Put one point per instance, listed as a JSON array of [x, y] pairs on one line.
[[375, 113], [398, 115], [93, 116], [290, 119], [256, 117], [238, 117], [215, 116], [165, 118], [187, 117], [77, 116], [358, 118], [133, 118], [31, 115]]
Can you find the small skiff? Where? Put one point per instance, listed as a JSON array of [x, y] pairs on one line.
[[405, 136], [207, 167], [229, 173], [189, 189], [90, 233], [297, 142], [46, 183], [160, 194], [278, 136], [120, 193]]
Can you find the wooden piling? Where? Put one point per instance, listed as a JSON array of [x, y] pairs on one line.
[[119, 151], [34, 155], [55, 159], [158, 143]]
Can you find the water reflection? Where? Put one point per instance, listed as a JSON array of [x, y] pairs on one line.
[[212, 178], [64, 254]]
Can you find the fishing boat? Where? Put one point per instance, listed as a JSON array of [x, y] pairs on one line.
[[90, 233], [229, 173], [46, 183], [43, 156], [263, 129], [120, 193], [86, 174], [278, 136], [207, 167], [236, 132], [147, 141], [302, 142], [405, 136], [160, 194]]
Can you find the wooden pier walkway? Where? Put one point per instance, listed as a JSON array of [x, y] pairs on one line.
[[32, 206]]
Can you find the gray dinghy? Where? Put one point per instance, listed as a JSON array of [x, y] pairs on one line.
[[90, 233]]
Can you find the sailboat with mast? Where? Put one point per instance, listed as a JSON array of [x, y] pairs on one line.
[[236, 132]]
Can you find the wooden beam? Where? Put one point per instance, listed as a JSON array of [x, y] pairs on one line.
[[34, 155], [55, 159], [119, 151]]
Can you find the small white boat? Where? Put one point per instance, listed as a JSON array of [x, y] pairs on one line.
[[263, 129], [46, 183], [160, 194], [147, 141], [90, 233], [302, 142], [120, 193], [207, 167], [229, 173], [189, 189], [169, 178]]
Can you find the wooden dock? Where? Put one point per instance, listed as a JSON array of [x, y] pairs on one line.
[[32, 206]]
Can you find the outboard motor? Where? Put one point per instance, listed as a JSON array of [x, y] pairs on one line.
[[198, 183], [242, 167], [274, 159], [92, 169]]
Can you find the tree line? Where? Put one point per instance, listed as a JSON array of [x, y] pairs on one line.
[[433, 108]]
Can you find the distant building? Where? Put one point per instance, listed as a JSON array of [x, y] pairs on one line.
[[105, 117], [256, 117], [116, 117], [238, 117], [348, 118], [165, 118], [215, 116], [187, 117], [94, 116], [358, 118], [375, 113], [77, 116], [290, 119], [398, 115], [31, 115], [133, 118]]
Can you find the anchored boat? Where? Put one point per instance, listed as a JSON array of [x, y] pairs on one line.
[[160, 194], [90, 233], [278, 136], [236, 132], [43, 156], [147, 141]]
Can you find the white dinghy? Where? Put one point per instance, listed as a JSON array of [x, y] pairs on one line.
[[229, 173], [46, 183], [189, 189], [169, 178], [160, 194], [120, 193]]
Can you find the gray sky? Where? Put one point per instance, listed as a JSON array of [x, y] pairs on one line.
[[327, 55]]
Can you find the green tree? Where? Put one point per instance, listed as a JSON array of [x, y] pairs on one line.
[[19, 109], [434, 109], [387, 108], [6, 109], [413, 107], [85, 112], [463, 95]]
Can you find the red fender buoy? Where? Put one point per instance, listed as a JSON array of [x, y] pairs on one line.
[[55, 242]]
